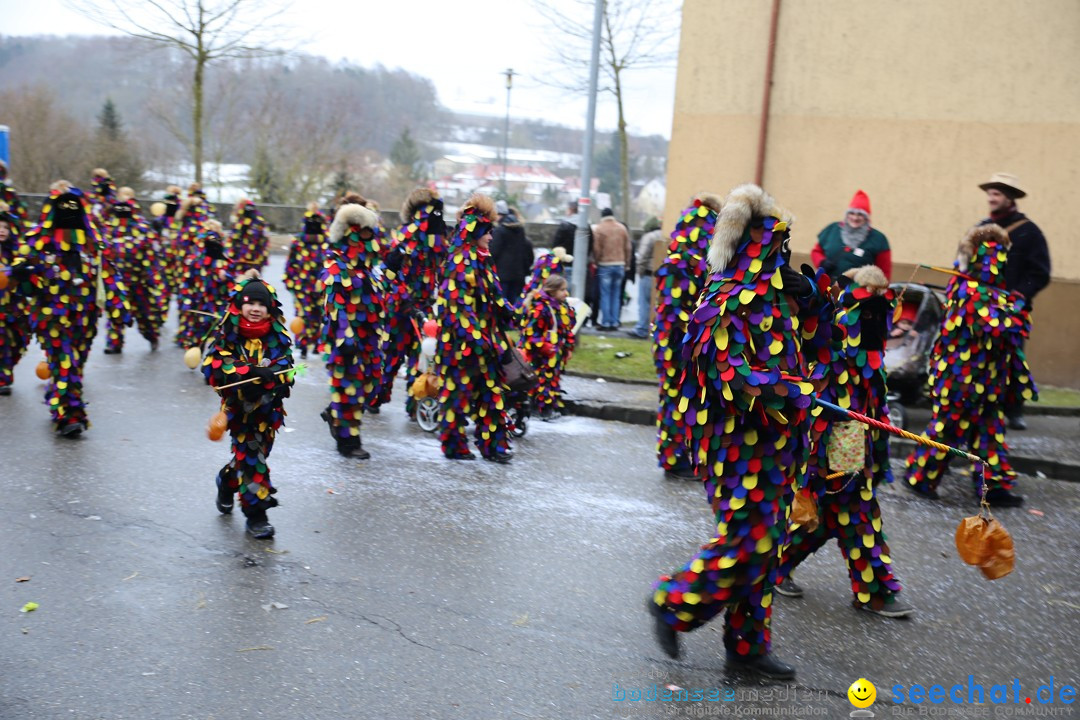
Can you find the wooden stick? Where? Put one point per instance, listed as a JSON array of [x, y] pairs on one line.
[[251, 379]]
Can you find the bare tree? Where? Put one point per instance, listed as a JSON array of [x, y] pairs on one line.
[[635, 35], [206, 31], [47, 142]]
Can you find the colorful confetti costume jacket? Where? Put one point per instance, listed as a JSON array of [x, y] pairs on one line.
[[249, 242], [848, 509], [746, 399], [679, 281], [412, 268], [303, 273], [543, 267], [472, 312], [171, 256], [353, 317], [205, 290], [14, 321], [255, 410], [979, 354], [547, 337], [102, 196], [11, 198], [63, 277], [130, 248]]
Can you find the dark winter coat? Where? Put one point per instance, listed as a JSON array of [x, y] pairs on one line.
[[1027, 269], [511, 251]]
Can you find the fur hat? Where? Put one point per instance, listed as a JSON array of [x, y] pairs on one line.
[[125, 193], [351, 215], [976, 237], [743, 204], [100, 174], [710, 200], [418, 199]]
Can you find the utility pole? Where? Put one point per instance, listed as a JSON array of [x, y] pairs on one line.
[[581, 237], [506, 129]]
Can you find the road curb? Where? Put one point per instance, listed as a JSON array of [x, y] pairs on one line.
[[898, 447]]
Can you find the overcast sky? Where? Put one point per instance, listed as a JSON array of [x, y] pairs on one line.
[[421, 36]]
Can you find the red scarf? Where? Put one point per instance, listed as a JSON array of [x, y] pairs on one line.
[[254, 330]]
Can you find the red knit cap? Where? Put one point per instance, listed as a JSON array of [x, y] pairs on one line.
[[861, 201]]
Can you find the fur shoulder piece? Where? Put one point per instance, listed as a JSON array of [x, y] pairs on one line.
[[418, 198], [351, 216], [712, 201], [976, 236], [742, 204], [870, 277]]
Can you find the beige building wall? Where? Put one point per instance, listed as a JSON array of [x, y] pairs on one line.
[[915, 102]]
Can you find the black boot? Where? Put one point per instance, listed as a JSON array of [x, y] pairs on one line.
[[72, 430], [113, 351], [667, 637], [224, 501], [923, 491], [1000, 497], [352, 447], [500, 457], [325, 415], [258, 526], [764, 665], [683, 473]]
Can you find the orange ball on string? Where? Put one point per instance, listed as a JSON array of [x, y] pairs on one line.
[[297, 326], [220, 421], [3, 280], [43, 371], [214, 433]]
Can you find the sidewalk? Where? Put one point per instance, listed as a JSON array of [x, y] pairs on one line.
[[1050, 445]]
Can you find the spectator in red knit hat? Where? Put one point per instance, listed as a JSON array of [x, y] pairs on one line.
[[852, 243]]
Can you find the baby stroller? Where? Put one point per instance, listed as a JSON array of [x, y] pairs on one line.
[[907, 351], [425, 390]]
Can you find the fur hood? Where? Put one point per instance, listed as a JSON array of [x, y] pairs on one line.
[[418, 199], [710, 200], [974, 238], [348, 216], [742, 204]]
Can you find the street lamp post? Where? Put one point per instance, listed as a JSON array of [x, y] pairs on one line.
[[506, 129]]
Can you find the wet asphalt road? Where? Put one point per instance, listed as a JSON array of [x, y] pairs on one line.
[[419, 587]]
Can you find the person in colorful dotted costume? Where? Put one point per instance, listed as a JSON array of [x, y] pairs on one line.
[[167, 226], [353, 311], [250, 342], [679, 281], [249, 242], [412, 269], [848, 507], [102, 194], [547, 337], [978, 357], [14, 324], [130, 248], [10, 197], [745, 395], [546, 265], [472, 314], [303, 273], [66, 283], [206, 286]]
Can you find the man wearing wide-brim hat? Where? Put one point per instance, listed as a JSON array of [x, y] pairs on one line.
[[1027, 270]]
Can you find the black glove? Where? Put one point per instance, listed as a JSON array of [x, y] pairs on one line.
[[215, 250], [795, 283], [829, 267], [394, 260], [21, 273]]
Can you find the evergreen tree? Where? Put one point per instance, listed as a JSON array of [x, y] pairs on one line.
[[263, 177], [113, 150], [405, 154]]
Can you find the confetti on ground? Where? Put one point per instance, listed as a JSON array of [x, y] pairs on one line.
[[24, 578], [253, 649], [272, 551], [522, 621], [29, 607], [132, 575], [321, 618], [275, 606], [1040, 513]]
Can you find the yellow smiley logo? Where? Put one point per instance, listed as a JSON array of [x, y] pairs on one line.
[[862, 693]]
